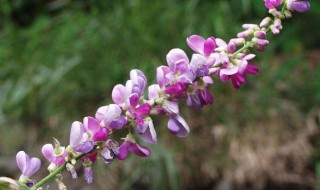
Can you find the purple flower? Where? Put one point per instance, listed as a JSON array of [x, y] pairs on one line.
[[199, 65], [147, 132], [138, 77], [271, 4], [27, 166], [83, 136], [178, 126], [297, 5], [178, 70], [202, 46], [110, 151], [177, 89], [110, 116]]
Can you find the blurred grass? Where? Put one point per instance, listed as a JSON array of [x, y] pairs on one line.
[[60, 59]]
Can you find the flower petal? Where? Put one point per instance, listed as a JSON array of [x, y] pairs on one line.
[[47, 151], [91, 124], [139, 150], [176, 55], [150, 135], [76, 133], [118, 94], [196, 43], [33, 167], [178, 126], [23, 161]]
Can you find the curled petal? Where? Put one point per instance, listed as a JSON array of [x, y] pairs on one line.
[[139, 150], [142, 110], [171, 107], [150, 135], [101, 135], [133, 100], [209, 46], [119, 122], [178, 126]]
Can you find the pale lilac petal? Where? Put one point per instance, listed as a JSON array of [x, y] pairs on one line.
[[150, 135], [108, 113], [171, 107], [162, 73], [118, 94], [178, 126], [243, 66], [84, 147], [47, 151], [88, 175], [138, 77], [176, 55], [196, 43], [23, 161], [33, 167], [229, 71], [101, 112], [91, 124], [300, 6], [153, 92], [76, 133], [249, 57], [207, 80], [221, 43]]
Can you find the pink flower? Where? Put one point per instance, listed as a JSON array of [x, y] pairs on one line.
[[202, 46], [271, 4]]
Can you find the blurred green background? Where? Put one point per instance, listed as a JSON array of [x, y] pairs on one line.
[[59, 60]]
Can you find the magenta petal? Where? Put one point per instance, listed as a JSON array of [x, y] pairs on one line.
[[100, 135], [139, 150], [118, 94], [178, 126], [123, 150], [47, 151], [176, 89], [23, 161], [143, 110], [134, 100], [76, 133], [150, 135], [196, 43], [209, 46], [33, 167], [91, 124]]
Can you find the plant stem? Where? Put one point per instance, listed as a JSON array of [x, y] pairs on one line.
[[53, 174], [49, 177]]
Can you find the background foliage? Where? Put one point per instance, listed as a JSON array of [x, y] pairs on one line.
[[60, 59]]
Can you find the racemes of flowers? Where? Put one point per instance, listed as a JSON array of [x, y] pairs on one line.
[[132, 110]]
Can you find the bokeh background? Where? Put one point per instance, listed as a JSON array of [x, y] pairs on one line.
[[60, 59]]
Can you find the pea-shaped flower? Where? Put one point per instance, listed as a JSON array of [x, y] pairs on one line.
[[28, 167]]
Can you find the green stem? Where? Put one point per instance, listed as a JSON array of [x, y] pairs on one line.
[[53, 174], [245, 47], [49, 177]]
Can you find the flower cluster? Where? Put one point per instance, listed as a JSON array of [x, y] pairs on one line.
[[135, 103]]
